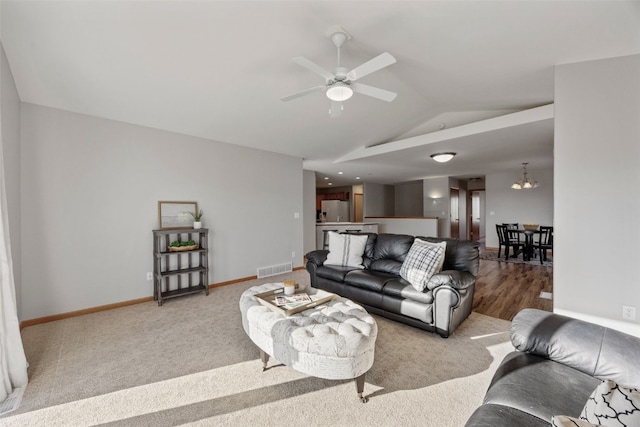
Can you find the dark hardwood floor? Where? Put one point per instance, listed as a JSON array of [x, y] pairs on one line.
[[503, 289]]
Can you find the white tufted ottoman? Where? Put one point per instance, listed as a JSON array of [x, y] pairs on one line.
[[334, 340]]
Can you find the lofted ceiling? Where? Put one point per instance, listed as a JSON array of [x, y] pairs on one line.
[[217, 70]]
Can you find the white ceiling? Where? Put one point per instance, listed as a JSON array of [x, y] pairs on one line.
[[217, 70]]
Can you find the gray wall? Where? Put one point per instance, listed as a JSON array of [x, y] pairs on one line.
[[437, 203], [10, 121], [379, 200], [503, 204], [309, 219], [597, 175], [90, 189], [409, 199]]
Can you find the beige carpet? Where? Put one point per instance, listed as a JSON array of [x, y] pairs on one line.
[[189, 362]]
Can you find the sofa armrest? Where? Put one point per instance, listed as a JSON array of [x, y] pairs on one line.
[[593, 349], [317, 257], [454, 278]]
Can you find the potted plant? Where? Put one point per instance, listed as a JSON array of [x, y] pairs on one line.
[[197, 219]]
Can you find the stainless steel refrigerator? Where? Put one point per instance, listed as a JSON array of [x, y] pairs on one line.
[[335, 211]]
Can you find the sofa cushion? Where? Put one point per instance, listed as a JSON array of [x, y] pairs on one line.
[[611, 404], [334, 272], [402, 289], [367, 280], [346, 249], [389, 266], [392, 246], [540, 386], [423, 260]]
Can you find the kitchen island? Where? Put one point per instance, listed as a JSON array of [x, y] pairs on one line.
[[362, 227]]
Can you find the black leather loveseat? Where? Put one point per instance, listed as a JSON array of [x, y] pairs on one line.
[[557, 365], [441, 307]]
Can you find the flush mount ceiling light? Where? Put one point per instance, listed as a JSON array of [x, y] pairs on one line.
[[339, 91], [524, 183], [442, 157]]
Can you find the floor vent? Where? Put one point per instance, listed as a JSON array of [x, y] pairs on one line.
[[274, 270], [546, 295], [12, 402]]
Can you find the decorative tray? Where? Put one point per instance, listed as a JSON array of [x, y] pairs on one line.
[[268, 299], [182, 248]]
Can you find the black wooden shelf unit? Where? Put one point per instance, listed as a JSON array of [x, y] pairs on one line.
[[180, 273]]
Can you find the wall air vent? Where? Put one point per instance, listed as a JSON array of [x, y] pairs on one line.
[[274, 270]]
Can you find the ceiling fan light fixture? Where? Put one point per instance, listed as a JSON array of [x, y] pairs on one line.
[[442, 157], [339, 92]]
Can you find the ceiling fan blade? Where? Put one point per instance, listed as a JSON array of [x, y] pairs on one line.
[[312, 66], [375, 64], [302, 93], [336, 109], [374, 92]]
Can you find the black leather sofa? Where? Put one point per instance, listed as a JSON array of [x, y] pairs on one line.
[[558, 363], [444, 304]]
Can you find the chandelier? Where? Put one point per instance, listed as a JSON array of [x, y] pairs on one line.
[[524, 183]]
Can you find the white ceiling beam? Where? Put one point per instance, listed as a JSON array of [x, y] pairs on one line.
[[532, 115]]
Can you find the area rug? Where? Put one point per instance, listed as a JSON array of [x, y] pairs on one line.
[[491, 255], [189, 362]]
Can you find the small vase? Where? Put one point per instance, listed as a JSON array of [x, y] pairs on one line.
[[197, 224]]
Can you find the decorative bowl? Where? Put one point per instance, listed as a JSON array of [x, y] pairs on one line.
[[182, 248], [530, 227]]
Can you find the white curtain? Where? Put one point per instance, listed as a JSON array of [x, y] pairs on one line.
[[13, 363]]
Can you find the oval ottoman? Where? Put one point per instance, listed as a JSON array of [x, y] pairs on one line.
[[334, 340]]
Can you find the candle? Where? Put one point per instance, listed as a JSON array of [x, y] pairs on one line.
[[289, 287]]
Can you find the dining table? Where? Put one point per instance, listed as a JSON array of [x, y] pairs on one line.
[[528, 234]]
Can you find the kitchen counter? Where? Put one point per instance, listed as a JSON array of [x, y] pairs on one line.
[[363, 227]]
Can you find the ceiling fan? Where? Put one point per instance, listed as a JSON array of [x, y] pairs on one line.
[[341, 84]]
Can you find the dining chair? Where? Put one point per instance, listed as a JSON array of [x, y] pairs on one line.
[[509, 239], [545, 242], [512, 233]]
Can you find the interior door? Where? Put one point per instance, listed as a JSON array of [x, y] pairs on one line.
[[357, 207], [454, 194], [476, 215]]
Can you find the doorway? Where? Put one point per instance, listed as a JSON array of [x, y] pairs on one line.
[[454, 194], [477, 215]]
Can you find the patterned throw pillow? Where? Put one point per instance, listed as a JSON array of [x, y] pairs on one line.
[[564, 421], [613, 405], [423, 261], [444, 249], [346, 250]]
